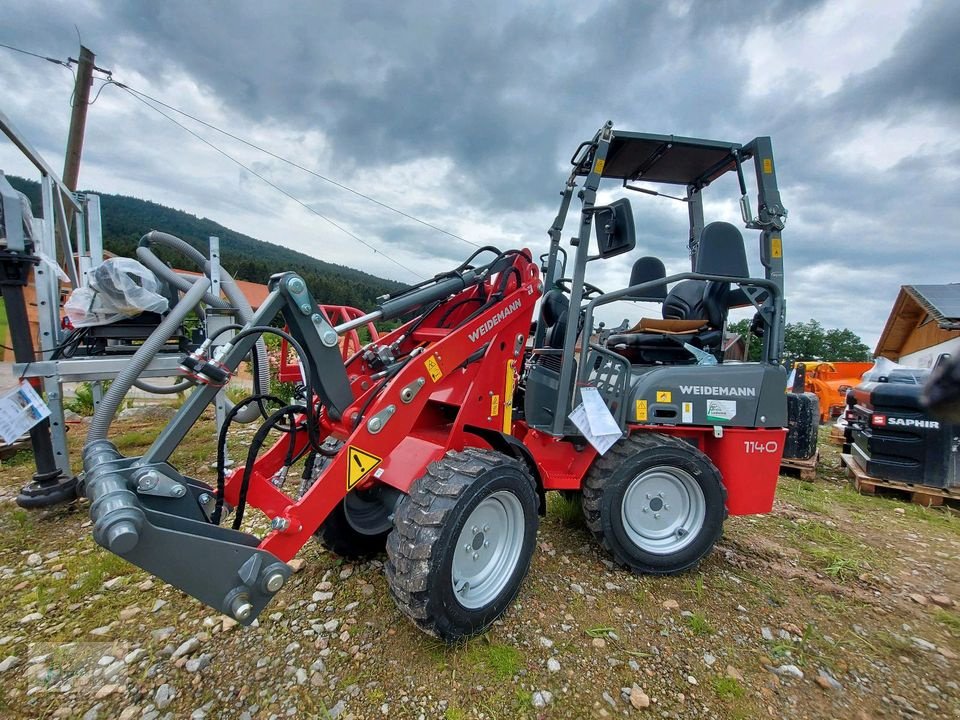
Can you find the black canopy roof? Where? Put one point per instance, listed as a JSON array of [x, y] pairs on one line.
[[666, 159]]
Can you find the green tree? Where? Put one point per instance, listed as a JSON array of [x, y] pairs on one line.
[[809, 341]]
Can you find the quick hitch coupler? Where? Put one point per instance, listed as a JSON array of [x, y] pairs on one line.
[[114, 509]]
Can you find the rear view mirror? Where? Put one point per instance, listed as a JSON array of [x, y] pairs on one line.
[[614, 226]]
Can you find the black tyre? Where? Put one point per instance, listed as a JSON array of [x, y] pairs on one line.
[[462, 542], [357, 528], [657, 504]]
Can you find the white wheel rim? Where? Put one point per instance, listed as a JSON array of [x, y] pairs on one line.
[[663, 510], [488, 550]]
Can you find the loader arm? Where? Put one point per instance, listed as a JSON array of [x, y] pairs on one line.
[[392, 409]]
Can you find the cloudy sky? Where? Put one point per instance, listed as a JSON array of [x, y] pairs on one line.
[[465, 115]]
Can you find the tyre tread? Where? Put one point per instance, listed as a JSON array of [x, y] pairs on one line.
[[613, 459], [411, 547]]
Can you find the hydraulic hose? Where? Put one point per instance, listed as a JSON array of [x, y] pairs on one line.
[[229, 286], [103, 417], [177, 387]]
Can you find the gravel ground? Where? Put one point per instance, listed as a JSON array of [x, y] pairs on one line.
[[833, 606]]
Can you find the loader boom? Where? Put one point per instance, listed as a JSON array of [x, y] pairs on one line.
[[443, 376]]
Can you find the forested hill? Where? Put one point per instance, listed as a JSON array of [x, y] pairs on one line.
[[127, 219]]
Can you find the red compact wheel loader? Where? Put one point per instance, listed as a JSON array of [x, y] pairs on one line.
[[438, 441]]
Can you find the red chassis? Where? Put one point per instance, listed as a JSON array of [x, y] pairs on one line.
[[457, 391]]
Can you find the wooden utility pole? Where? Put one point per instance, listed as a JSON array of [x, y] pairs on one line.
[[78, 118]]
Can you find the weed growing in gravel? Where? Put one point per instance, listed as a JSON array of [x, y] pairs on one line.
[[21, 457], [838, 566], [135, 438], [699, 624], [599, 632], [950, 619], [696, 588], [501, 660], [454, 713], [566, 508], [19, 524], [727, 688], [940, 517]]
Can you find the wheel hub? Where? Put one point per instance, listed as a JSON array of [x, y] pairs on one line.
[[663, 509], [488, 549]]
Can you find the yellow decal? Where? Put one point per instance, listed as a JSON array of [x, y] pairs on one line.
[[598, 166], [776, 247], [641, 410], [433, 368], [508, 397], [494, 405], [768, 165], [360, 463], [664, 396]]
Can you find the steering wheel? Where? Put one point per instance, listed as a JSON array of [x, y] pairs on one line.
[[566, 285]]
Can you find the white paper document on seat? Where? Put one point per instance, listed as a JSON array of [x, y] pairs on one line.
[[594, 420]]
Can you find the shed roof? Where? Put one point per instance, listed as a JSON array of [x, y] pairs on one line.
[[913, 303]]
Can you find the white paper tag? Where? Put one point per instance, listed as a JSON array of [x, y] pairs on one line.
[[593, 419], [686, 414], [20, 409]]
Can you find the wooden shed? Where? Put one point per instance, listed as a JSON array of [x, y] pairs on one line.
[[923, 325]]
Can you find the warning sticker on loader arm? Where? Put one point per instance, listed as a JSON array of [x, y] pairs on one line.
[[433, 368], [360, 463]]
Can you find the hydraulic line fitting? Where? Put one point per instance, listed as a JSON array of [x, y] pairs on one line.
[[209, 372]]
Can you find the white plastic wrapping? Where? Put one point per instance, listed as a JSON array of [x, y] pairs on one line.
[[119, 288]]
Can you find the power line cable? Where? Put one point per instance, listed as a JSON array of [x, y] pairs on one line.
[[33, 54], [300, 167], [264, 179]]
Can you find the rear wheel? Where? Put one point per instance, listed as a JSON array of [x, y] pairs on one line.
[[655, 502], [358, 527], [462, 542]]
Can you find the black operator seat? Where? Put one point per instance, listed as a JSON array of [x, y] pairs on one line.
[[647, 269], [554, 310], [694, 311]]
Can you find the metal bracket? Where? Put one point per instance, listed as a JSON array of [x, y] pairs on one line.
[[410, 391], [152, 482], [378, 421]]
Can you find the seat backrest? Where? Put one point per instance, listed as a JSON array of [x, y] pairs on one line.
[[721, 251], [644, 270], [554, 309], [685, 301]]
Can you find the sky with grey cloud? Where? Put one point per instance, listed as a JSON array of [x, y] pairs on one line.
[[465, 115]]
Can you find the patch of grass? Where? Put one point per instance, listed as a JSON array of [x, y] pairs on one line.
[[503, 661], [950, 619], [699, 624], [236, 393], [19, 524], [727, 688], [837, 564], [522, 700], [696, 588], [566, 508], [19, 459], [454, 713], [599, 632], [939, 517], [135, 438], [92, 569]]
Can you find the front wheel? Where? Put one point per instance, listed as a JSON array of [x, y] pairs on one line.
[[655, 502], [462, 542]]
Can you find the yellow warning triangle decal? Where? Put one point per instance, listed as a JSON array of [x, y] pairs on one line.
[[359, 464]]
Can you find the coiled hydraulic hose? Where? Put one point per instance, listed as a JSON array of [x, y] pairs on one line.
[[103, 417]]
